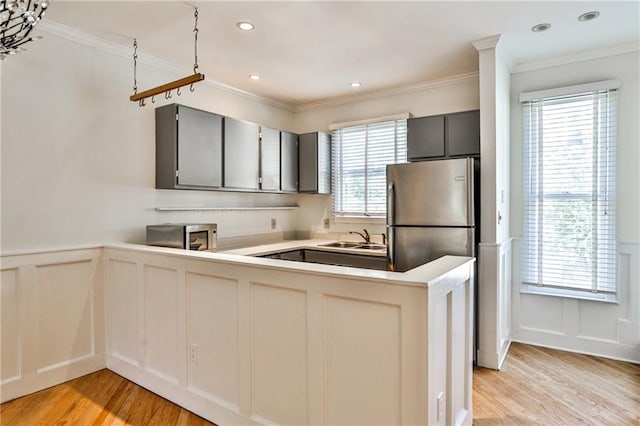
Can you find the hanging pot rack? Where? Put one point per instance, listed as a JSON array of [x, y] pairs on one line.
[[167, 88]]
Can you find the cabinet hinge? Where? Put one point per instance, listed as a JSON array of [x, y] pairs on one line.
[[177, 117], [260, 180], [177, 173]]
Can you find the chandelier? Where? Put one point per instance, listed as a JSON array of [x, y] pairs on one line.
[[17, 19]]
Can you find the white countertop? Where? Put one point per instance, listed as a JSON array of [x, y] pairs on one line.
[[301, 245], [427, 274]]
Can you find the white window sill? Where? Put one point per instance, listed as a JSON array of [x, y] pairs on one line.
[[360, 219], [569, 294]]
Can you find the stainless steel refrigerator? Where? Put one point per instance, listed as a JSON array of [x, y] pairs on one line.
[[430, 211]]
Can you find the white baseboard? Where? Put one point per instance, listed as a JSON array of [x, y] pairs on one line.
[[587, 346]]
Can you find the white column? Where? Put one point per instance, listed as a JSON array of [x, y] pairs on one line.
[[494, 254]]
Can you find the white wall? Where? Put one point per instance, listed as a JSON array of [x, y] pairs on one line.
[[611, 330], [439, 97], [78, 158]]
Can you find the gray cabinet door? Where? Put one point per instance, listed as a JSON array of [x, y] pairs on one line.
[[345, 259], [270, 159], [199, 148], [288, 162], [308, 157], [463, 133], [314, 151], [241, 154], [425, 137], [188, 148]]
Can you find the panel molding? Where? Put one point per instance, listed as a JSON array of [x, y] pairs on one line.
[[12, 312], [623, 340], [37, 272], [494, 303], [282, 314]]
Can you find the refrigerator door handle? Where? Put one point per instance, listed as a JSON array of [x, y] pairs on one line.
[[391, 261], [391, 201], [390, 221], [470, 192]]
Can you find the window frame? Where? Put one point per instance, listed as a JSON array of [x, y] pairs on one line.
[[398, 148], [532, 176]]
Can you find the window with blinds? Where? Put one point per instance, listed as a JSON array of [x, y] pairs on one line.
[[360, 155], [569, 197]]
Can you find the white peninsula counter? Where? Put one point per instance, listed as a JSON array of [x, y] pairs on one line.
[[241, 339], [246, 340]]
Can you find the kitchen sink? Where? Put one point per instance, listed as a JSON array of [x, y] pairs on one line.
[[371, 246], [342, 244], [355, 245]]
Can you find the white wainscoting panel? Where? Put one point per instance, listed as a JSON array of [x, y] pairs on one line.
[[212, 304], [123, 309], [278, 354], [64, 303], [494, 303], [161, 322], [532, 307], [52, 319], [597, 328], [10, 326], [363, 374]]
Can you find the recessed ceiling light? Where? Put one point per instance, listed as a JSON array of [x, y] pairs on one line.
[[254, 77], [245, 26], [540, 27], [588, 16], [355, 84]]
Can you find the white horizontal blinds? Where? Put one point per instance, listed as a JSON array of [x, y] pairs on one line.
[[360, 156], [569, 191]]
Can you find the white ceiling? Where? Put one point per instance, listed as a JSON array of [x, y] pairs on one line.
[[309, 51]]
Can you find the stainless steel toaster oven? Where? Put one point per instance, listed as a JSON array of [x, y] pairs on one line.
[[189, 236]]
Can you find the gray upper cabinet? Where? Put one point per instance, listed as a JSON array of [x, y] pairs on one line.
[[241, 154], [269, 159], [288, 162], [444, 136], [463, 133], [201, 150], [314, 151], [425, 137], [188, 148]]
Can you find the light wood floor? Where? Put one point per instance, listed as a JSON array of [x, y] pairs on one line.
[[539, 386], [536, 386], [100, 398]]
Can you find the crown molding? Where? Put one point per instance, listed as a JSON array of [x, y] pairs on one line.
[[487, 42], [620, 49], [401, 90], [63, 31], [77, 36]]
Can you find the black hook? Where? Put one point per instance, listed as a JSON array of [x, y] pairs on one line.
[[153, 99], [191, 88], [178, 91], [167, 94], [141, 103]]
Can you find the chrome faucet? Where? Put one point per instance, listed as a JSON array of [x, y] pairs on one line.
[[365, 236]]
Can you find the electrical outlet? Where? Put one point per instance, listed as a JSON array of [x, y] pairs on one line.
[[327, 223], [273, 223], [193, 352]]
